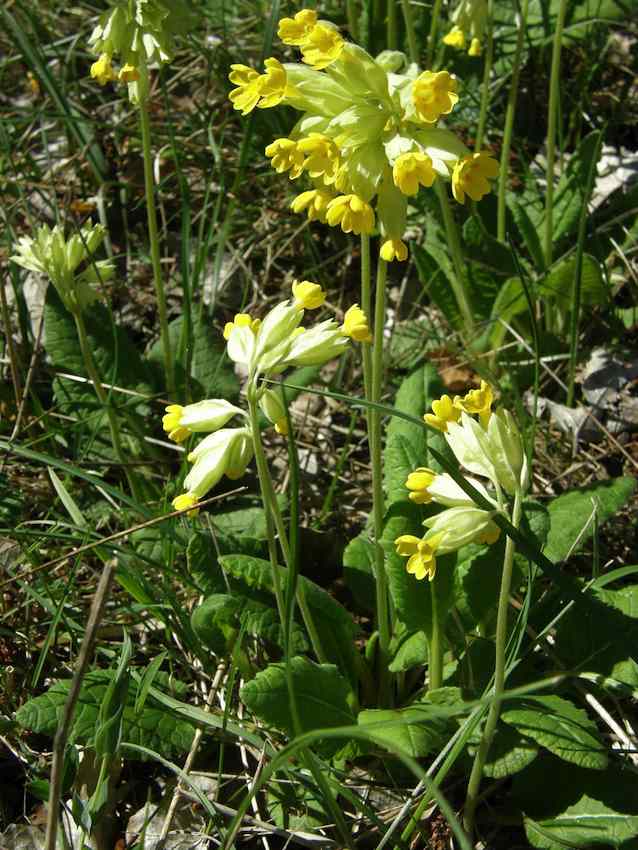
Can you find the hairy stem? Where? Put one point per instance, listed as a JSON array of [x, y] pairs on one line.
[[413, 48], [454, 246], [434, 26], [435, 663], [487, 73], [552, 122]]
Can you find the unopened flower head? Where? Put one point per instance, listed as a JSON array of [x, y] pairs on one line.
[[204, 416], [273, 408], [418, 483], [457, 527], [308, 295], [468, 18], [367, 138], [355, 324], [58, 257]]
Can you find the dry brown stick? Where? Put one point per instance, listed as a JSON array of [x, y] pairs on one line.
[[61, 736]]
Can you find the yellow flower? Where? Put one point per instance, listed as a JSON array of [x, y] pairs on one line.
[[128, 74], [272, 84], [471, 176], [455, 38], [322, 46], [314, 202], [295, 31], [102, 70], [322, 156], [490, 535], [443, 412], [475, 47], [284, 155], [355, 325], [352, 213], [412, 170], [434, 94], [246, 96], [308, 295], [171, 424], [242, 320], [186, 500], [477, 402], [418, 483], [394, 249], [421, 555]]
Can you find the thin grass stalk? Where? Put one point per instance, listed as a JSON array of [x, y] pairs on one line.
[[552, 123], [378, 506], [487, 73], [100, 392], [476, 775], [13, 359], [413, 48], [454, 246], [578, 273], [153, 233], [509, 123], [393, 29], [434, 27]]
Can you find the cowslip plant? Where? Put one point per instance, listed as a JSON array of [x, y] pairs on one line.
[[468, 20]]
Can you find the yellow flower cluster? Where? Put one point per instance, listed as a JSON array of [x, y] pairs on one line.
[[368, 137], [446, 410], [468, 20]]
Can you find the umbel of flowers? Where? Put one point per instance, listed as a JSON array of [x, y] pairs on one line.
[[488, 446], [369, 135], [264, 348], [468, 19], [138, 33]]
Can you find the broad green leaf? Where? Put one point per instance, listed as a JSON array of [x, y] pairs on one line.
[[569, 195], [509, 303], [565, 806], [407, 443], [358, 561], [485, 249], [435, 271], [411, 652], [569, 513], [415, 731], [244, 519], [154, 727], [509, 753], [476, 582], [601, 637], [321, 695], [201, 557], [561, 727], [527, 230], [559, 281], [67, 500]]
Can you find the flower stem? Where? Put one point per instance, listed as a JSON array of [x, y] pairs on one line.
[[434, 26], [100, 392], [454, 246], [378, 508], [509, 122], [471, 799], [153, 234], [351, 10], [393, 38], [487, 73], [552, 121], [413, 48], [435, 663], [274, 520]]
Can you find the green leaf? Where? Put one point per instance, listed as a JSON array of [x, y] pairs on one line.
[[358, 561], [154, 727], [201, 557], [244, 520], [484, 248], [407, 443], [562, 728], [509, 303], [415, 731], [476, 582], [527, 230], [565, 806], [569, 195], [602, 636], [569, 513], [559, 281], [509, 753], [435, 272], [412, 652], [321, 695]]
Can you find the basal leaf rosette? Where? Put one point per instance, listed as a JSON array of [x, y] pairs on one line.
[[369, 136]]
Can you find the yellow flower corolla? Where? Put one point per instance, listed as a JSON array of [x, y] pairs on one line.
[[242, 320], [171, 424], [285, 155], [412, 170], [352, 213], [186, 500], [434, 94], [322, 156], [314, 202], [322, 46], [102, 70], [477, 402], [308, 295], [128, 74], [475, 48], [444, 411], [246, 96], [393, 249], [272, 84], [420, 553], [355, 325], [471, 176], [294, 31], [418, 483], [455, 38]]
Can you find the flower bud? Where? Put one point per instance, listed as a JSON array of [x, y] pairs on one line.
[[308, 295], [506, 450], [316, 345], [272, 406], [209, 415], [456, 527]]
